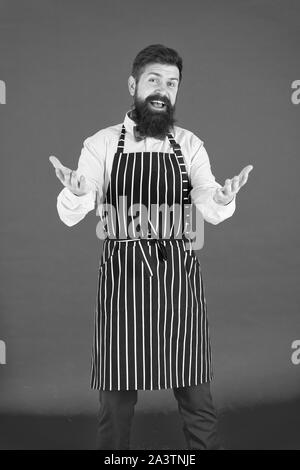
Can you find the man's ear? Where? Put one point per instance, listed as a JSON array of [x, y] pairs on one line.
[[131, 85]]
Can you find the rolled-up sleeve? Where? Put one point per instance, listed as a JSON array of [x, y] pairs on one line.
[[204, 186], [71, 208]]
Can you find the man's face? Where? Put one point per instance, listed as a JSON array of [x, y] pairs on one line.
[[161, 79], [154, 98]]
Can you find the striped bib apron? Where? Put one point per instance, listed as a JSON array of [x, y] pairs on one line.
[[151, 329]]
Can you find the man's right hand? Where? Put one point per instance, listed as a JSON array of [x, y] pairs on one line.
[[69, 178]]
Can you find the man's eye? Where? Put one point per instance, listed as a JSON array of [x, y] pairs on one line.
[[172, 84]]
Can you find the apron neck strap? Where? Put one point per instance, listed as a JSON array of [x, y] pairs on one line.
[[121, 140], [176, 147]]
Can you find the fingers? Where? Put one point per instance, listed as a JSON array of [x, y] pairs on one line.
[[245, 174], [77, 185], [245, 171], [243, 180], [248, 168], [73, 180], [219, 195], [68, 177], [82, 182], [232, 186], [227, 189], [57, 164], [238, 181], [222, 198], [60, 175], [63, 173], [235, 184]]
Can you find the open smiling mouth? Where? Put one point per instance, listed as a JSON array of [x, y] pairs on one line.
[[156, 104]]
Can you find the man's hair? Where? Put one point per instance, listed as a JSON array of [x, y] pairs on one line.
[[156, 53]]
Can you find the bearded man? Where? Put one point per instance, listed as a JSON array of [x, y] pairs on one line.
[[151, 327]]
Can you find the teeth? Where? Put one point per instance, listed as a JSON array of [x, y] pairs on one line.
[[161, 103]]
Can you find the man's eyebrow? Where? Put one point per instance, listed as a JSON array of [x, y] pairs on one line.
[[159, 75]]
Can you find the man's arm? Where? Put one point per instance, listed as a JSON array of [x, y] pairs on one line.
[[204, 186], [72, 208]]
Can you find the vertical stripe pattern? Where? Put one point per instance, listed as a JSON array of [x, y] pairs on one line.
[[151, 329]]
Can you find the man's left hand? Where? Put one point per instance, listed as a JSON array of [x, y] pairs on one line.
[[232, 186]]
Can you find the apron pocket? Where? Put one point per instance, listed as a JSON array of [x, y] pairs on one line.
[[106, 257], [190, 259]]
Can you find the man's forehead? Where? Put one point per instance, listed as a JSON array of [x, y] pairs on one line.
[[162, 69]]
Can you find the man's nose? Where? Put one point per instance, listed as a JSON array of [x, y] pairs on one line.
[[162, 92], [162, 89]]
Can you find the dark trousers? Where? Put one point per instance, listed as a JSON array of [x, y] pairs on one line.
[[195, 407]]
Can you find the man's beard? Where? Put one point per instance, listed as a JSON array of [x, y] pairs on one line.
[[152, 123]]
